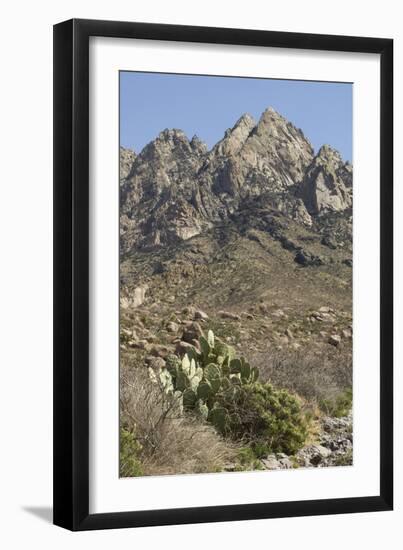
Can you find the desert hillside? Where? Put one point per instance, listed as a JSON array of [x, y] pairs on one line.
[[247, 245]]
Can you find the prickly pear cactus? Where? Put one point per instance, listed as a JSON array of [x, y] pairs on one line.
[[203, 409], [166, 381], [200, 377], [205, 348], [189, 398], [218, 416], [212, 372], [204, 390], [210, 339]]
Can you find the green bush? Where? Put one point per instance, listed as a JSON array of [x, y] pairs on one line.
[[247, 460], [129, 455], [269, 419]]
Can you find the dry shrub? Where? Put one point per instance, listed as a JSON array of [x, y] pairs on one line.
[[189, 447], [315, 376], [170, 442]]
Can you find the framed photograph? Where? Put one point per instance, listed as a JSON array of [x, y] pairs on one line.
[[223, 321]]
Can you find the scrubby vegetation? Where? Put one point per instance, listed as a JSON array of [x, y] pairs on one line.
[[224, 390], [270, 420], [164, 440], [197, 412], [322, 380], [129, 455]]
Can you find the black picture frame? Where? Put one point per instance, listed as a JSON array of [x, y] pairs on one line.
[[71, 274]]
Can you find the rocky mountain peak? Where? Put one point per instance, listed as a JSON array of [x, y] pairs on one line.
[[271, 121], [235, 137], [171, 145], [176, 189], [274, 126], [246, 123], [278, 150], [174, 138], [270, 115], [198, 145], [327, 154], [172, 134]]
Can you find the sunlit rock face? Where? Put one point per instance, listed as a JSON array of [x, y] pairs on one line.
[[327, 184]]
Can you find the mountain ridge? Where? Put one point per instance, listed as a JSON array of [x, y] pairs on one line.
[[175, 188]]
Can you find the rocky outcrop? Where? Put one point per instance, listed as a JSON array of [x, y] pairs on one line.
[[127, 158], [327, 184], [156, 198], [334, 448], [277, 150], [132, 298], [176, 189]]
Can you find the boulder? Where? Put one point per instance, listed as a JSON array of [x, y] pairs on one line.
[[347, 333], [329, 242], [172, 326], [313, 455], [182, 347], [278, 313], [307, 259], [155, 362], [189, 312], [133, 298], [159, 350], [143, 344], [334, 339], [283, 340], [229, 315], [200, 315], [271, 463], [138, 296], [192, 332], [284, 461], [325, 309]]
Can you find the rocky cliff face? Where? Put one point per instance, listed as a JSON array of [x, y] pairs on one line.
[[327, 183], [176, 189]]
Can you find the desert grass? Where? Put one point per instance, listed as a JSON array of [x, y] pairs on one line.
[[170, 442]]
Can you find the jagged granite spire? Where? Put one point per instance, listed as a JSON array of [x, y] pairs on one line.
[[235, 137]]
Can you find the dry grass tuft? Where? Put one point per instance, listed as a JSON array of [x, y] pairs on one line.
[[170, 443]]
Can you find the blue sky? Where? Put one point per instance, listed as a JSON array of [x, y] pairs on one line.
[[207, 106]]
